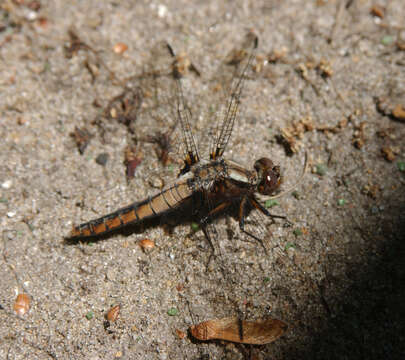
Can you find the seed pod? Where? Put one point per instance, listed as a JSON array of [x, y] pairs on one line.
[[112, 314], [257, 332], [22, 304]]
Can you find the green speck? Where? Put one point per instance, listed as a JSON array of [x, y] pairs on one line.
[[88, 157], [19, 233], [266, 279], [401, 166], [387, 40], [47, 66], [296, 194], [89, 315], [270, 203], [290, 245], [194, 226], [341, 202], [138, 338], [170, 167], [3, 200], [90, 244], [172, 312], [321, 169], [297, 232]]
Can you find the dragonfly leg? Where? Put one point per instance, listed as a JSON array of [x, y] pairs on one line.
[[208, 228], [215, 211], [208, 237], [242, 216], [262, 209]]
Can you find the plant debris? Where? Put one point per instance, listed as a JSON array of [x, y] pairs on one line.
[[162, 140], [82, 138], [378, 10], [125, 107], [388, 108], [113, 313], [147, 245], [132, 159], [358, 135], [388, 153], [289, 135]]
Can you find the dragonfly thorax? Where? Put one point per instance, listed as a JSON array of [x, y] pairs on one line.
[[268, 176], [205, 173]]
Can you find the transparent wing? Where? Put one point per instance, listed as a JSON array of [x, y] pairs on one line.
[[241, 57], [163, 97], [183, 112]]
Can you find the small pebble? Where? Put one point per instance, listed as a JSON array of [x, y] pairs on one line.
[[7, 184], [120, 48], [102, 159]]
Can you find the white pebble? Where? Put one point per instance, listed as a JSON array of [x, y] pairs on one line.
[[162, 11], [10, 214], [7, 184]]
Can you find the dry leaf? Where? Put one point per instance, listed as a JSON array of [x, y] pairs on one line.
[[113, 313], [146, 245]]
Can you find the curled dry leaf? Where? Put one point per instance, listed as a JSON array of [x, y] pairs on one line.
[[399, 112], [146, 245], [180, 334], [82, 138], [388, 153], [113, 313], [262, 331], [22, 304], [378, 10]]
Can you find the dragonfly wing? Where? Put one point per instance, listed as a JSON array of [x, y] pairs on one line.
[[241, 57], [162, 88], [183, 113]]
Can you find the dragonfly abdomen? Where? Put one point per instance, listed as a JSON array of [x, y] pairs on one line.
[[156, 205]]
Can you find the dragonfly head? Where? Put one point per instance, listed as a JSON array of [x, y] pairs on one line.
[[268, 176]]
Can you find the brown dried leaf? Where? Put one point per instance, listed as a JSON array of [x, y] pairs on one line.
[[388, 154], [180, 334], [258, 332], [132, 159], [378, 10], [113, 313], [82, 138], [399, 112], [147, 245]]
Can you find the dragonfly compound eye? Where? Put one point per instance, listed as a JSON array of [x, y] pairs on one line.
[[268, 176]]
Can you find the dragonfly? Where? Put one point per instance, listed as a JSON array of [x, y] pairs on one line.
[[215, 184]]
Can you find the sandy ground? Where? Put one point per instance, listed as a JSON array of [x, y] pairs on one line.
[[335, 276]]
